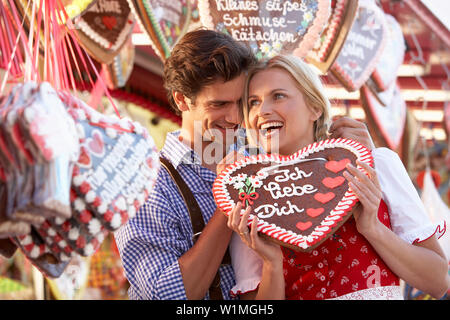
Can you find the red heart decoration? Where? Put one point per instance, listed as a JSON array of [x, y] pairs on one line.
[[333, 182], [336, 166], [303, 225], [293, 205], [314, 212], [84, 159], [95, 144], [324, 197], [109, 21]]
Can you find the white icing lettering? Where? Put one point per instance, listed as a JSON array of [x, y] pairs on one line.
[[242, 20], [266, 211], [102, 6], [248, 34], [287, 175], [288, 191], [233, 5], [287, 6], [124, 162]]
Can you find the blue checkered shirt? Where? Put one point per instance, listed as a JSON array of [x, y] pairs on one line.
[[161, 232]]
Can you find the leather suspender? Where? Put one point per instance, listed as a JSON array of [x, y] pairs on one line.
[[215, 292]]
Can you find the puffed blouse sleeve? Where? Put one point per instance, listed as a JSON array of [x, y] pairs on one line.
[[247, 266], [409, 219]]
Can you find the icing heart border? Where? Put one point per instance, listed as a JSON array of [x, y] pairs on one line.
[[100, 40], [288, 237], [307, 42]]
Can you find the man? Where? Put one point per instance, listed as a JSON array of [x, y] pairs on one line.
[[204, 77]]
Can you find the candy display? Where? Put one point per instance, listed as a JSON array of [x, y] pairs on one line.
[[74, 175]]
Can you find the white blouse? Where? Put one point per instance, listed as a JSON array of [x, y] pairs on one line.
[[408, 218]]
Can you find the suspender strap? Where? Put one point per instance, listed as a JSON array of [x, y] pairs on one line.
[[215, 292], [194, 210]]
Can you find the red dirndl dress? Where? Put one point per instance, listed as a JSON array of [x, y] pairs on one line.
[[344, 264]]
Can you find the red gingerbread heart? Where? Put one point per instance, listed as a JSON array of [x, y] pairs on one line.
[[324, 197], [333, 182], [294, 206], [109, 22], [336, 166], [303, 225], [314, 212], [96, 144]]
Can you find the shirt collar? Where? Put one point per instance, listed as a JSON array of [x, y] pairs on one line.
[[177, 152]]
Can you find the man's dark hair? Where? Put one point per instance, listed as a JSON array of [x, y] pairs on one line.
[[202, 57]]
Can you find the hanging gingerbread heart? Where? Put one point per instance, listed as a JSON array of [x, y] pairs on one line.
[[389, 121], [164, 21], [300, 200], [332, 39], [363, 46], [40, 254], [269, 27], [118, 71], [391, 58], [116, 171], [104, 28]]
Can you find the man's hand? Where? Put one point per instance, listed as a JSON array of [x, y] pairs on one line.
[[230, 158], [349, 128]]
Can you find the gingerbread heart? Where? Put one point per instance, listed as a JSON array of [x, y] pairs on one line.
[[388, 122], [391, 58], [363, 46], [104, 28], [120, 177], [164, 21], [40, 254], [119, 70], [294, 206], [269, 27], [332, 39]]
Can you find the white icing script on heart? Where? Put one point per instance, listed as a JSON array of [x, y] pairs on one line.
[[247, 187], [270, 210]]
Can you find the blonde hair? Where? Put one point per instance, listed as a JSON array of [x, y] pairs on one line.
[[308, 83]]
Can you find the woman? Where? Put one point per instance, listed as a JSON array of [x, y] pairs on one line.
[[285, 109]]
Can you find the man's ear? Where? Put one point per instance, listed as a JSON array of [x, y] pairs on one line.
[[180, 100]]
